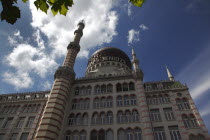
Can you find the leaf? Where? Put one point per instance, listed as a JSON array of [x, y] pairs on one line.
[[63, 10], [137, 2], [42, 5], [11, 14], [24, 1]]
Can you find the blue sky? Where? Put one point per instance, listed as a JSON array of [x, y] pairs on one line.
[[168, 32]]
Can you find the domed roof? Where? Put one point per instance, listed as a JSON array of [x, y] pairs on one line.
[[110, 54]]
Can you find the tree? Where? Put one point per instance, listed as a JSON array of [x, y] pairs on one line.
[[11, 13]]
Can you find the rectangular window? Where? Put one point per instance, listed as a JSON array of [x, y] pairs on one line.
[[159, 133], [30, 122], [169, 114], [14, 136], [20, 122], [155, 115], [7, 123], [174, 133], [24, 136]]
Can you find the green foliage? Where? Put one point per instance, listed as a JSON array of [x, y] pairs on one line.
[[11, 13], [137, 2]]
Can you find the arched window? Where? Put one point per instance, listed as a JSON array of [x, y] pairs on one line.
[[86, 103], [121, 134], [193, 121], [109, 135], [85, 119], [82, 90], [101, 135], [186, 121], [88, 90], [94, 135], [71, 119], [131, 86], [201, 137], [192, 137], [74, 104], [126, 100], [135, 116], [109, 102], [133, 100], [96, 103], [95, 118], [103, 102], [103, 89], [119, 101], [80, 104], [120, 117], [179, 104], [102, 118], [129, 134], [125, 87], [109, 88], [75, 135], [186, 103], [154, 100], [97, 89], [83, 135], [119, 87], [138, 134], [127, 116], [109, 117], [78, 119], [68, 135]]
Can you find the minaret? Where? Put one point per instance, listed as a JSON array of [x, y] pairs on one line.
[[136, 69], [52, 118], [147, 131], [170, 76]]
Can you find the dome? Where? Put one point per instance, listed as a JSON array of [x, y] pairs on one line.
[[108, 57]]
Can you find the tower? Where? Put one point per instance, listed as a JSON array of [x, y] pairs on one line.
[[170, 76], [53, 114]]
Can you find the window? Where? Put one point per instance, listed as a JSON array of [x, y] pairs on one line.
[[129, 134], [186, 121], [8, 123], [159, 133], [127, 116], [14, 136], [119, 101], [76, 92], [131, 86], [75, 136], [135, 116], [20, 122], [95, 118], [169, 115], [155, 115], [137, 132], [109, 135], [85, 119], [125, 87], [126, 100], [83, 135], [193, 121], [103, 89], [109, 88], [71, 119], [68, 135], [102, 118], [119, 87], [174, 133], [133, 100], [109, 118], [97, 89], [121, 135], [186, 104], [109, 102], [120, 117], [30, 122], [24, 136]]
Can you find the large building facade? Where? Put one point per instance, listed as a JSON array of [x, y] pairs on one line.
[[111, 102]]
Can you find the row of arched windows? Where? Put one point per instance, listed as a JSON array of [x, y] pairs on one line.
[[197, 137], [189, 121], [158, 99], [9, 109], [183, 104], [102, 118], [102, 135], [128, 116], [125, 87], [101, 89], [83, 90], [130, 134], [30, 108], [102, 102], [79, 119], [80, 103], [126, 100], [76, 135]]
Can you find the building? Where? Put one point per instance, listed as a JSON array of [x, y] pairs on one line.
[[110, 103]]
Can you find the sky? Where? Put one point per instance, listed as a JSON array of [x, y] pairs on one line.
[[167, 32]]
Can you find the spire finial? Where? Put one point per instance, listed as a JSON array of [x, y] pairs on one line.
[[170, 76]]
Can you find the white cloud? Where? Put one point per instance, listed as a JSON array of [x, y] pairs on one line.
[[47, 85], [18, 80], [100, 28], [205, 110], [197, 74], [15, 38], [129, 9], [143, 27], [133, 36]]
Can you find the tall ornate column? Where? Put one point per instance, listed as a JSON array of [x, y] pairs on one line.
[[53, 114]]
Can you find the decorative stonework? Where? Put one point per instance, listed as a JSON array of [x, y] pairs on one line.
[[139, 74], [65, 72], [79, 31], [74, 46]]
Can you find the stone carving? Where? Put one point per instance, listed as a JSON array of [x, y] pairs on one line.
[[74, 46], [79, 31], [65, 72]]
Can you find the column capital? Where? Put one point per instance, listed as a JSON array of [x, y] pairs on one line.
[[74, 46], [65, 72]]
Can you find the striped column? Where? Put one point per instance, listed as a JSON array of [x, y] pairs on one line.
[[147, 132]]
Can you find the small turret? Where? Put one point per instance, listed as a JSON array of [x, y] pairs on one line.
[[170, 76]]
